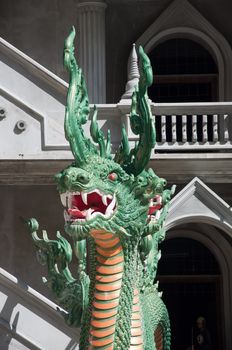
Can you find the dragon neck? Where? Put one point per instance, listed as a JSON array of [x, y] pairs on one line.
[[113, 296], [109, 262]]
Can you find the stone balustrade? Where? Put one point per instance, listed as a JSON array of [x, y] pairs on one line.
[[191, 126]]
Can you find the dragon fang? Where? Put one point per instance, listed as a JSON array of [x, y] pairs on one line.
[[114, 212]]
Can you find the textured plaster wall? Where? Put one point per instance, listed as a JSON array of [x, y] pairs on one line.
[[38, 28], [17, 254]]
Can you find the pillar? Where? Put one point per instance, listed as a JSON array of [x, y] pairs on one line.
[[91, 47]]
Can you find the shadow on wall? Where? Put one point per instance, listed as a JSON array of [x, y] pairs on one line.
[[8, 331], [71, 346], [28, 321]]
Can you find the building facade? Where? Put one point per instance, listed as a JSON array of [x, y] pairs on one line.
[[190, 46]]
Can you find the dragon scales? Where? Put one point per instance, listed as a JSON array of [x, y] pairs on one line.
[[114, 211]]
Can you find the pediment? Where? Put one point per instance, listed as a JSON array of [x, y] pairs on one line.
[[179, 14], [197, 202]]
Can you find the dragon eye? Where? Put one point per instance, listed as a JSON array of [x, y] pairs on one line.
[[112, 176]]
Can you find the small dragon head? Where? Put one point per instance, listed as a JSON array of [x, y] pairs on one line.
[[98, 192]]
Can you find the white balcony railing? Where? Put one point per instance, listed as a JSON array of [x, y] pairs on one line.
[[192, 126], [201, 126]]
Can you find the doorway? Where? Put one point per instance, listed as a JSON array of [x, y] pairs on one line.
[[190, 279]]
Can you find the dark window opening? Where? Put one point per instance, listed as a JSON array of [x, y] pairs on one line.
[[184, 256], [184, 71]]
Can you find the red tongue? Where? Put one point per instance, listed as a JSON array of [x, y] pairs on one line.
[[154, 208], [77, 214]]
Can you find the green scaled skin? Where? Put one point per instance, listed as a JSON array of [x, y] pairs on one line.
[[115, 212]]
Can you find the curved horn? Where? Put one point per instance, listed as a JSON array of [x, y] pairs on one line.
[[77, 109], [141, 121], [98, 136]]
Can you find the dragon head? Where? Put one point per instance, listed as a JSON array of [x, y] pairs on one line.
[[97, 191]]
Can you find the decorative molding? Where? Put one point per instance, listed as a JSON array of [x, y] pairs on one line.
[[198, 203], [89, 6], [36, 115], [181, 19]]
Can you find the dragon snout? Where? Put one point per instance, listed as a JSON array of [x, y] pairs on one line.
[[74, 176], [83, 177], [71, 178]]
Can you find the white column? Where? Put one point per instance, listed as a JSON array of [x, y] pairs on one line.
[[91, 47]]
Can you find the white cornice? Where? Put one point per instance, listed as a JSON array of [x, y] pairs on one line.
[[198, 195]]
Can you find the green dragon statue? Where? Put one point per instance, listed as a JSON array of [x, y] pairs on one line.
[[114, 211]]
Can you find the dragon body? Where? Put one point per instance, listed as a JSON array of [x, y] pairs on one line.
[[114, 211]]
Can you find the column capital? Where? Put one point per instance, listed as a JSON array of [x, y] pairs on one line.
[[91, 6]]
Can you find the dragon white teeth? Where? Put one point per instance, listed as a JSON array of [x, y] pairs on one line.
[[110, 208], [104, 199], [88, 214], [84, 196], [157, 215], [109, 213], [94, 214], [66, 216], [63, 197], [69, 201], [97, 213]]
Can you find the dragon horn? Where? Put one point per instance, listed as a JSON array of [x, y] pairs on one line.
[[141, 121], [77, 109]]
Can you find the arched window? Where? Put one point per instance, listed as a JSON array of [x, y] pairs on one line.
[[184, 71]]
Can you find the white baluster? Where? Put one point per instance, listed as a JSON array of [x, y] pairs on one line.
[[184, 128], [204, 128], [194, 128], [173, 128], [215, 128], [225, 124], [163, 128]]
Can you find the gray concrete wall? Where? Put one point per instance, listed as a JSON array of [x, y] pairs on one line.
[[18, 255], [38, 28]]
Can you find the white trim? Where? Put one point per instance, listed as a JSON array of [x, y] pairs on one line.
[[218, 213], [170, 24]]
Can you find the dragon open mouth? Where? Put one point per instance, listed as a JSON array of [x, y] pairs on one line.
[[84, 206]]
